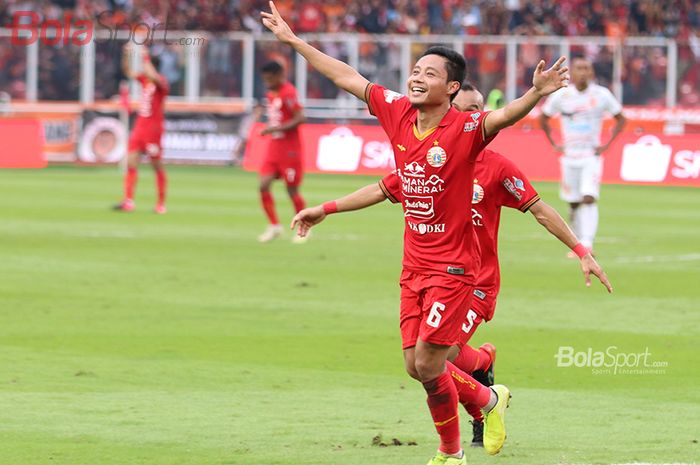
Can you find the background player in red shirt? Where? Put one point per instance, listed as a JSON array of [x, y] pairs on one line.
[[440, 249], [283, 158], [148, 130], [492, 193]]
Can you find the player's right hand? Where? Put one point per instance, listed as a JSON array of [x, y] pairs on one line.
[[559, 149], [590, 266], [307, 218], [274, 22]]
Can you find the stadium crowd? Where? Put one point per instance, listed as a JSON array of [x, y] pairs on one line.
[[643, 76]]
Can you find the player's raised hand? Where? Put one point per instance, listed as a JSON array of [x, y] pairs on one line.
[[278, 26], [589, 266], [307, 218], [551, 80]]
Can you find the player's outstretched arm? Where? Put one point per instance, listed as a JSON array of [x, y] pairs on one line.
[[544, 82], [555, 224], [361, 198], [343, 75], [127, 50]]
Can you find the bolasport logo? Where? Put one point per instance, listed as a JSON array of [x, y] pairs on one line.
[[28, 28], [610, 361]]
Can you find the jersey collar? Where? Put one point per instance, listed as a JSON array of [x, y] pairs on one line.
[[446, 120]]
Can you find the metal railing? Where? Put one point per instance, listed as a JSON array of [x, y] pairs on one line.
[[210, 68]]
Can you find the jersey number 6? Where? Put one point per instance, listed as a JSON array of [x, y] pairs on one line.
[[435, 316]]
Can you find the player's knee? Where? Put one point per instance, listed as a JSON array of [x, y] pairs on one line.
[[574, 205], [588, 199], [427, 369], [412, 372]]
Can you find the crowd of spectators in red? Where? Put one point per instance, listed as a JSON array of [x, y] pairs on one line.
[[643, 75]]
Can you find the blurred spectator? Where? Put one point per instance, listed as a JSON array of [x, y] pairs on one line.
[[643, 77]]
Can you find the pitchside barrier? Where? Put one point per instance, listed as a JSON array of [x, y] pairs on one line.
[[658, 146]]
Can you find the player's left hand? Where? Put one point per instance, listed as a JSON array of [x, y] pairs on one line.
[[268, 130], [278, 26], [551, 80], [589, 266], [600, 149], [307, 218]]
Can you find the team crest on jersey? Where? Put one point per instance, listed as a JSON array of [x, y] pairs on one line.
[[475, 116], [436, 157], [478, 194]]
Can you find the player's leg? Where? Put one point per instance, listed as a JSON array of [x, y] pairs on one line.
[[477, 362], [161, 183], [268, 173], [444, 383], [293, 176], [130, 177], [590, 191], [570, 192]]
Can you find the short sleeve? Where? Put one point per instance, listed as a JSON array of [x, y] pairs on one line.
[[388, 106], [290, 99], [391, 186], [551, 105], [611, 103], [472, 124], [516, 190]]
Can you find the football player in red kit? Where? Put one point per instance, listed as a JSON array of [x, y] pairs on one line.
[[283, 159], [440, 263], [146, 136]]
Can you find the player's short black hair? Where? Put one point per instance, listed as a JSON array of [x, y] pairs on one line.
[[454, 62], [469, 87], [272, 67], [155, 61]]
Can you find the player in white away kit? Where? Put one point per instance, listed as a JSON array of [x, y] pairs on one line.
[[582, 106]]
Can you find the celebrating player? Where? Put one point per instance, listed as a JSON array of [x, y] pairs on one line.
[[582, 106], [283, 158], [497, 183], [148, 129], [440, 262]]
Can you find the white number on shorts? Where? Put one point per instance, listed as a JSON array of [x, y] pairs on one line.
[[435, 316], [291, 174], [471, 316]]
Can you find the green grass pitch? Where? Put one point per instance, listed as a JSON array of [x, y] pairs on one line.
[[178, 339]]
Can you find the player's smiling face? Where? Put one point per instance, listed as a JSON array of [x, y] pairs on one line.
[[428, 83]]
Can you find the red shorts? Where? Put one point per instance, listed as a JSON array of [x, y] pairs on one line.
[[283, 161], [482, 308], [432, 308], [147, 141]]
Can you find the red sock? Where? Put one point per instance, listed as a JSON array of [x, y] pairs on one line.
[[268, 204], [475, 412], [130, 178], [161, 183], [298, 202], [470, 391], [471, 359], [442, 402]]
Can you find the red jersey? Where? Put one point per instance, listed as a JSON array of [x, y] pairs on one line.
[[153, 94], [436, 171], [282, 104], [498, 183]]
